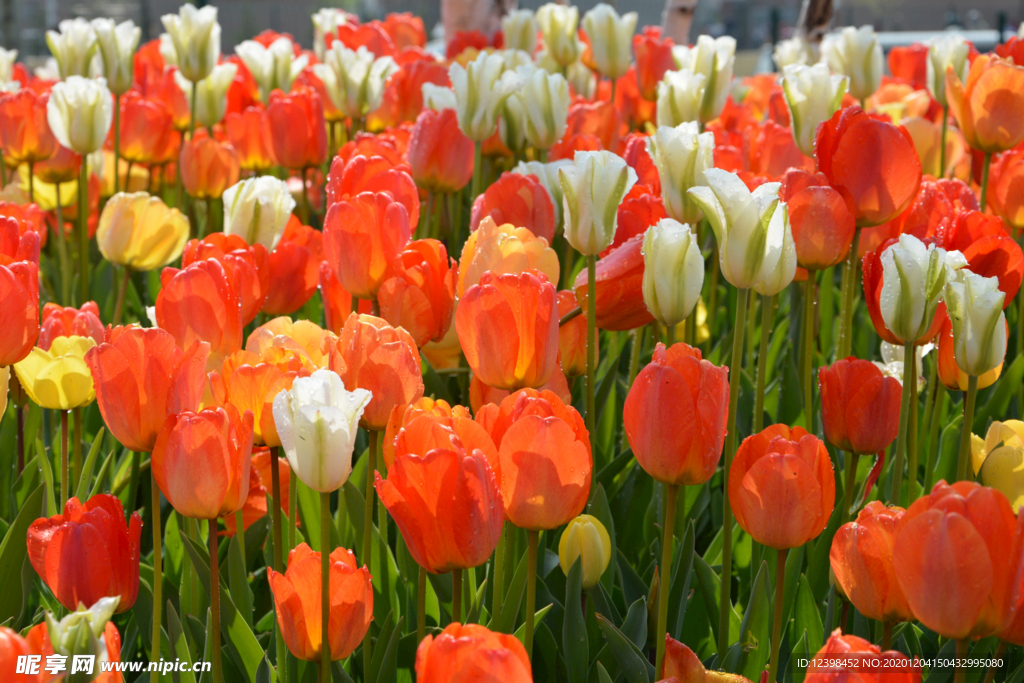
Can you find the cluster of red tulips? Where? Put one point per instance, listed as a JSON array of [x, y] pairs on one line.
[[364, 363]]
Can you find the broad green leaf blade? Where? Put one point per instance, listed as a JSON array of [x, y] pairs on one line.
[[574, 627]]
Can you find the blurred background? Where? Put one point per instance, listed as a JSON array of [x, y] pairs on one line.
[[755, 24]]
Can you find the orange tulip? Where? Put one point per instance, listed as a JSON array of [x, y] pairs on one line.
[[653, 58], [821, 221], [201, 461], [24, 132], [201, 302], [419, 293], [405, 29], [860, 406], [781, 487], [294, 129], [391, 145], [19, 290], [362, 236], [594, 118], [470, 653], [18, 243], [426, 425], [29, 218], [987, 107], [1006, 187], [245, 265], [60, 321], [294, 268], [260, 474], [208, 167], [250, 385], [245, 133], [861, 558], [370, 35], [675, 414], [13, 648], [282, 340], [683, 666], [481, 394], [88, 552], [572, 337], [141, 378], [871, 163], [773, 151], [403, 94], [298, 602], [521, 200], [949, 372], [370, 354], [545, 457], [953, 559], [146, 126], [508, 329], [360, 173], [620, 299], [910, 64], [989, 250], [440, 155], [851, 658], [447, 505], [336, 300], [504, 249]]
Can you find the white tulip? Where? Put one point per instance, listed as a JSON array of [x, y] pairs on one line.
[[949, 50], [855, 52], [272, 67], [680, 94], [681, 154], [611, 39], [354, 79], [258, 209], [73, 46], [438, 97], [582, 80], [558, 24], [317, 420], [167, 50], [81, 633], [211, 93], [673, 271], [80, 111], [195, 35], [481, 89], [714, 58], [793, 51], [325, 21], [592, 189], [785, 271], [543, 105], [117, 43], [547, 174], [7, 60], [813, 94], [520, 30], [975, 307]]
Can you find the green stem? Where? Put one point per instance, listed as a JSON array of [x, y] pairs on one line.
[[849, 484], [457, 596], [119, 306], [325, 586], [293, 494], [992, 670], [192, 113], [275, 493], [421, 606], [371, 467], [240, 534], [984, 180], [849, 290], [62, 252], [942, 142], [780, 586], [478, 170], [591, 338], [158, 580], [76, 445], [886, 635], [65, 483], [933, 434], [965, 433], [912, 431], [499, 573], [83, 230], [808, 352], [214, 603], [665, 572], [901, 439], [531, 591], [117, 146], [730, 449], [634, 353], [670, 333], [762, 361], [961, 653]]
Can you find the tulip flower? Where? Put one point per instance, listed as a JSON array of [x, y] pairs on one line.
[[60, 321], [86, 632], [813, 95], [859, 406], [245, 267], [680, 95], [274, 66], [541, 105], [848, 656], [861, 559], [822, 225], [427, 425], [24, 131], [466, 652], [975, 307], [260, 486], [195, 38], [360, 173], [14, 650], [210, 93], [949, 372], [481, 88], [440, 156], [245, 133], [653, 58], [714, 59], [585, 538], [619, 300], [325, 22], [956, 543], [519, 200], [681, 155], [117, 44], [257, 210], [294, 125], [354, 79], [572, 337], [855, 53], [508, 328], [281, 338], [73, 47], [208, 167], [201, 302], [558, 32], [682, 665], [914, 278], [501, 249], [88, 552], [140, 232], [58, 378], [145, 128], [610, 37], [79, 113], [989, 250], [19, 290], [251, 383], [519, 28], [362, 235], [985, 103], [294, 268], [944, 52], [438, 97], [18, 241], [419, 293], [673, 271], [592, 189], [997, 459]]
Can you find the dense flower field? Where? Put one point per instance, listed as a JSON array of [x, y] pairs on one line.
[[569, 356]]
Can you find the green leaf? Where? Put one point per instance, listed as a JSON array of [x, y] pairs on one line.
[[807, 618], [178, 642], [538, 617], [238, 580], [52, 488], [755, 628], [634, 626], [13, 555], [574, 627], [100, 482], [88, 465], [602, 674], [710, 585], [389, 653], [433, 385], [800, 651], [635, 667], [598, 507], [387, 628], [682, 565], [506, 621]]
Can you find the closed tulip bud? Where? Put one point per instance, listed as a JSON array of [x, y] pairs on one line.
[[785, 272], [245, 133], [354, 79], [317, 420], [94, 539], [680, 94], [846, 657], [781, 487], [19, 290], [947, 51], [673, 271], [211, 93], [362, 235], [481, 89], [438, 97], [860, 406], [520, 200], [202, 301], [713, 58], [24, 132], [195, 36], [914, 281], [542, 105], [273, 67], [949, 372], [592, 189], [681, 155], [793, 51], [467, 652], [619, 288], [813, 95], [975, 307], [208, 167], [986, 103], [140, 231], [998, 460], [610, 36], [73, 47], [855, 52], [440, 156], [419, 294], [558, 31], [117, 43], [294, 125], [58, 378], [80, 111], [519, 27], [257, 210], [750, 227], [586, 539]]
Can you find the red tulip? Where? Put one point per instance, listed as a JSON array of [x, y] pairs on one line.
[[59, 321], [405, 30], [653, 58], [359, 173], [403, 94], [820, 219], [146, 126], [88, 552], [29, 218], [370, 35], [910, 63], [208, 167], [481, 394], [245, 133], [19, 290], [521, 200], [440, 155], [595, 118], [391, 145], [419, 293], [639, 210], [620, 300], [465, 40], [675, 415], [13, 650], [294, 129], [294, 268], [17, 243], [24, 132], [683, 666], [773, 151], [850, 658], [636, 155], [937, 204], [201, 302], [989, 250], [246, 266], [860, 406], [467, 653]]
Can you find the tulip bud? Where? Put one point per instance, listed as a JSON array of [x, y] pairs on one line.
[[519, 27], [681, 154], [58, 378], [585, 538], [783, 275], [813, 95], [914, 278], [673, 271], [611, 38], [855, 52], [793, 51], [140, 232], [948, 50], [81, 633], [975, 307], [257, 210], [325, 22], [317, 420], [273, 67], [80, 111], [750, 227], [558, 30], [714, 59], [117, 43], [195, 36], [438, 97], [211, 93], [481, 89], [73, 47], [998, 459], [592, 189], [354, 79], [680, 94], [542, 105]]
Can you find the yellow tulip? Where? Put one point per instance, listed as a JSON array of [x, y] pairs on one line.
[[140, 231], [585, 537], [58, 379], [999, 459]]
